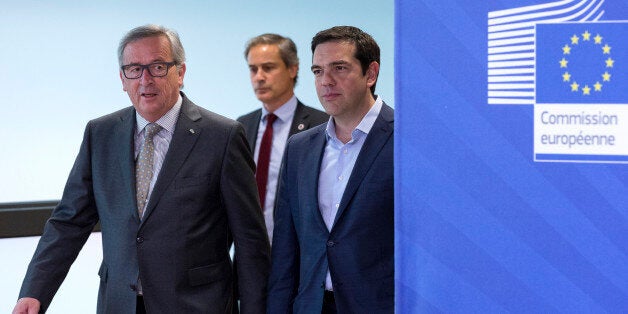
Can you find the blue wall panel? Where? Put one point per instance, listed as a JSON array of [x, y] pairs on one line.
[[480, 225]]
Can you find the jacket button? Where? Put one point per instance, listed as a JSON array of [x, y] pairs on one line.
[[139, 239], [133, 287], [331, 243]]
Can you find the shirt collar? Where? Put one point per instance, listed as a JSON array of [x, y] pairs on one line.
[[285, 111], [365, 125], [167, 121]]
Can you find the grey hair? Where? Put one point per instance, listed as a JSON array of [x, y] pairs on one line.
[[287, 48], [152, 30]]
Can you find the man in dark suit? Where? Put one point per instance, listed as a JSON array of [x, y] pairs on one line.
[[333, 242], [273, 66], [166, 206]]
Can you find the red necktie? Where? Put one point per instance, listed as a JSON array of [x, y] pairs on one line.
[[264, 158]]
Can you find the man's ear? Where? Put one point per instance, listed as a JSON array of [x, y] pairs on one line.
[[372, 73], [122, 80]]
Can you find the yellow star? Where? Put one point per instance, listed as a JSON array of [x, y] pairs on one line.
[[566, 50], [566, 77], [574, 87], [606, 49], [586, 90], [574, 39], [598, 39], [609, 62], [597, 86], [606, 76], [586, 36], [563, 63]]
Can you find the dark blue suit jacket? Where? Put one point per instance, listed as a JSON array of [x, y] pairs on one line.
[[359, 250], [204, 192]]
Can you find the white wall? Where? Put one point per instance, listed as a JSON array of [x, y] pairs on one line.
[[79, 290]]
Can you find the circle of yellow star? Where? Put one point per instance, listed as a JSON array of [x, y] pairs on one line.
[[609, 63]]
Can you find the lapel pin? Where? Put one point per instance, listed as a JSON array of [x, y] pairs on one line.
[[192, 131], [301, 126]]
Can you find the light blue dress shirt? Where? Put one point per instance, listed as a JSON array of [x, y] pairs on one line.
[[161, 140], [281, 130], [337, 165]]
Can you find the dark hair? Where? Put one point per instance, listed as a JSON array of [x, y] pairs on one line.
[[287, 48], [366, 49], [151, 30]]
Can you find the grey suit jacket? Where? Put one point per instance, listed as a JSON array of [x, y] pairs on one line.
[[359, 249], [204, 193], [304, 118]]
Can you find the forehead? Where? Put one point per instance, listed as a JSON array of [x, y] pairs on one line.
[[263, 53], [147, 49], [334, 51]]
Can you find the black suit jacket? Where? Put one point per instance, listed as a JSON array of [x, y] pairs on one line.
[[205, 192], [359, 249], [304, 118]]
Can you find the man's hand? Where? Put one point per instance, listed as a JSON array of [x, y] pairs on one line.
[[27, 306]]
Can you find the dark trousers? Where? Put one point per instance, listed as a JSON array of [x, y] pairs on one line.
[[329, 303], [139, 308]]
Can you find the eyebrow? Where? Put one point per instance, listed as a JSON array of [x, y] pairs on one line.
[[339, 62], [263, 64]]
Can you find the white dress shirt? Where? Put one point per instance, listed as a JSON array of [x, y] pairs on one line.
[[281, 130]]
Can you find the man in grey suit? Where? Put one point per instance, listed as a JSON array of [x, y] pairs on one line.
[[333, 243], [273, 68], [166, 206]]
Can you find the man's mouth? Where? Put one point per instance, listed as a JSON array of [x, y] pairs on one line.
[[148, 95], [330, 96]]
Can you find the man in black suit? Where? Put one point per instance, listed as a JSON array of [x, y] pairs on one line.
[[273, 67], [333, 244], [169, 182]]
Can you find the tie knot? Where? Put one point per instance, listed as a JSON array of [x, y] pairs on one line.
[[270, 118], [151, 130]]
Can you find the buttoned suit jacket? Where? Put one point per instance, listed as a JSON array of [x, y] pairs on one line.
[[304, 118], [358, 250], [204, 192]]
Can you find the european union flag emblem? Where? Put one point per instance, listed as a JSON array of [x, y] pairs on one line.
[[582, 63]]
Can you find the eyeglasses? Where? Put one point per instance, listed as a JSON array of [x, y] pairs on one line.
[[156, 69]]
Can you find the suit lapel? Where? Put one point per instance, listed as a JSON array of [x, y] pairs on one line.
[[124, 139], [378, 136], [251, 127], [309, 169], [300, 121], [182, 142]]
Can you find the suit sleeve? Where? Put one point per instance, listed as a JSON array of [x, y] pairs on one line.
[[284, 274], [252, 250], [65, 232]]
